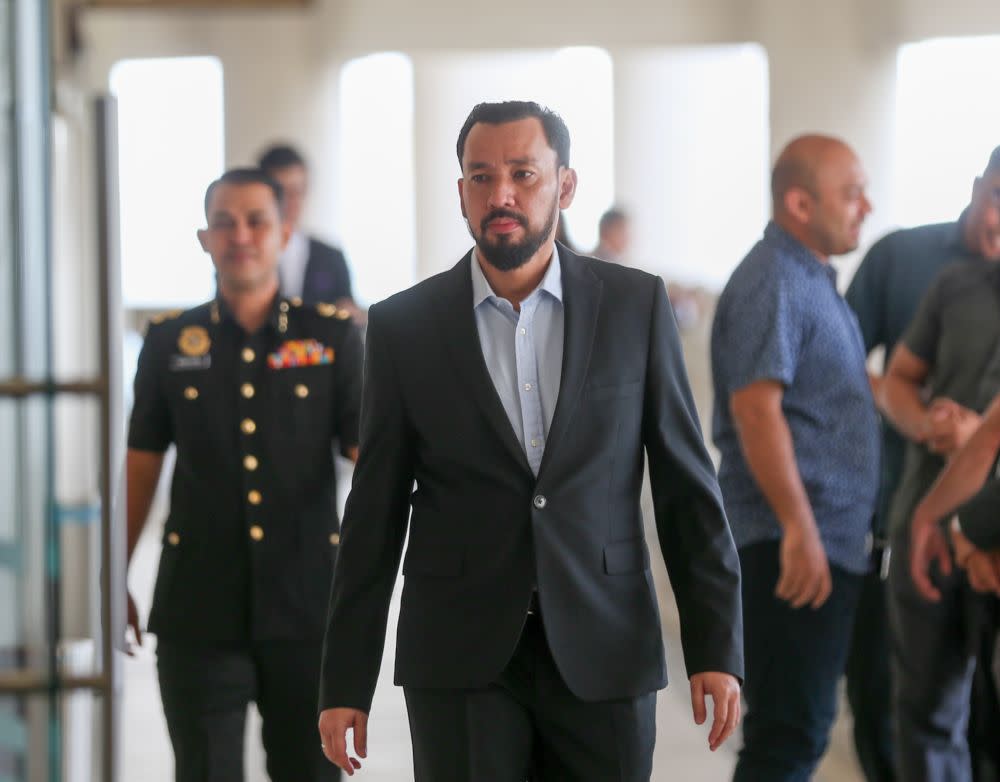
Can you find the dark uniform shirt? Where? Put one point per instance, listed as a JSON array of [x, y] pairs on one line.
[[885, 293], [251, 539], [956, 332]]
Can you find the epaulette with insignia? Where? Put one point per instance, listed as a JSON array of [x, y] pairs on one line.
[[164, 316], [328, 310]]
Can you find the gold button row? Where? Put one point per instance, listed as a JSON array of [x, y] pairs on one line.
[[247, 390], [173, 538], [250, 462], [190, 392], [335, 539], [301, 391], [248, 355], [248, 426], [254, 497], [257, 532]]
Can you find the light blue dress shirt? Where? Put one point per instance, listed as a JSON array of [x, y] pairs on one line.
[[523, 351]]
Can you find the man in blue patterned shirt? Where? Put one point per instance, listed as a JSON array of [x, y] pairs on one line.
[[796, 426]]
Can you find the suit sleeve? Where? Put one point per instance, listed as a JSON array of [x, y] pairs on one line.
[[980, 517], [691, 523], [372, 534]]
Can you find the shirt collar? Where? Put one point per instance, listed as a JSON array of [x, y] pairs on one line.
[[482, 290], [277, 317], [779, 238]]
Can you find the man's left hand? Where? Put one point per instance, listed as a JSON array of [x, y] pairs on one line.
[[725, 692], [927, 545]]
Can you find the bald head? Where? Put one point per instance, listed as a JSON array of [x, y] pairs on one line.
[[818, 194], [800, 163]]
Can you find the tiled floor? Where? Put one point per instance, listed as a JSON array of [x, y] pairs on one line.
[[681, 754]]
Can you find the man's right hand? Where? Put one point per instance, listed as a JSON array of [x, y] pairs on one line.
[[333, 727], [805, 573], [133, 622]]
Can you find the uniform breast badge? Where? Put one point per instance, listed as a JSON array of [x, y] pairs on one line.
[[194, 341]]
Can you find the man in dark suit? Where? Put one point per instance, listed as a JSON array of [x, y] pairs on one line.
[[520, 390], [311, 270]]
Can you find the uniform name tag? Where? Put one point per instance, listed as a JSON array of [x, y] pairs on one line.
[[183, 363]]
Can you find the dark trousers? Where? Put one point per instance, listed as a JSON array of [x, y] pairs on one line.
[[794, 660], [933, 654], [528, 725], [206, 689], [869, 688]]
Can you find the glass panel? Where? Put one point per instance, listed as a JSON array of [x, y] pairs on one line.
[[77, 514], [26, 574], [7, 246], [39, 734]]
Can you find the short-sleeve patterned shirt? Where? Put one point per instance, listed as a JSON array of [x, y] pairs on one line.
[[781, 318]]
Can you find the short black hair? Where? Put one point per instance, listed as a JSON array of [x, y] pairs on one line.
[[247, 176], [993, 164], [611, 217], [556, 132], [280, 156]]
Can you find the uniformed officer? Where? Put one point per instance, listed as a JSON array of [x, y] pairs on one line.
[[253, 390]]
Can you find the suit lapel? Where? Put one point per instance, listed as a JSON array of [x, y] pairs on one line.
[[581, 303], [458, 323]]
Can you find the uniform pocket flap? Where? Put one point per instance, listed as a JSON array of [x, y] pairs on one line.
[[626, 556]]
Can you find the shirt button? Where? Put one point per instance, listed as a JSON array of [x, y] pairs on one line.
[[253, 497], [248, 355], [250, 462], [539, 501], [173, 538], [534, 443], [334, 539], [527, 386], [524, 331], [248, 426], [190, 392], [256, 532], [247, 390], [301, 391]]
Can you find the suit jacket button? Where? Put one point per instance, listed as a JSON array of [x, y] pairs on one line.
[[334, 539], [256, 532], [539, 501], [173, 538]]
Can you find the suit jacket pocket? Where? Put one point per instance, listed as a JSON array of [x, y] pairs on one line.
[[626, 556], [433, 561]]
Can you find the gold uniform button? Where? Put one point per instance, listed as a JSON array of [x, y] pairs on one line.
[[301, 391], [253, 497], [173, 538], [190, 392], [250, 462], [257, 533], [247, 390], [248, 426], [335, 539], [248, 355]]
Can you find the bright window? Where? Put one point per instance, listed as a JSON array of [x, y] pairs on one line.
[[171, 146], [947, 122], [378, 224]]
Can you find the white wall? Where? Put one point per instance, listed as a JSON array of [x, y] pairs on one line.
[[832, 69]]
